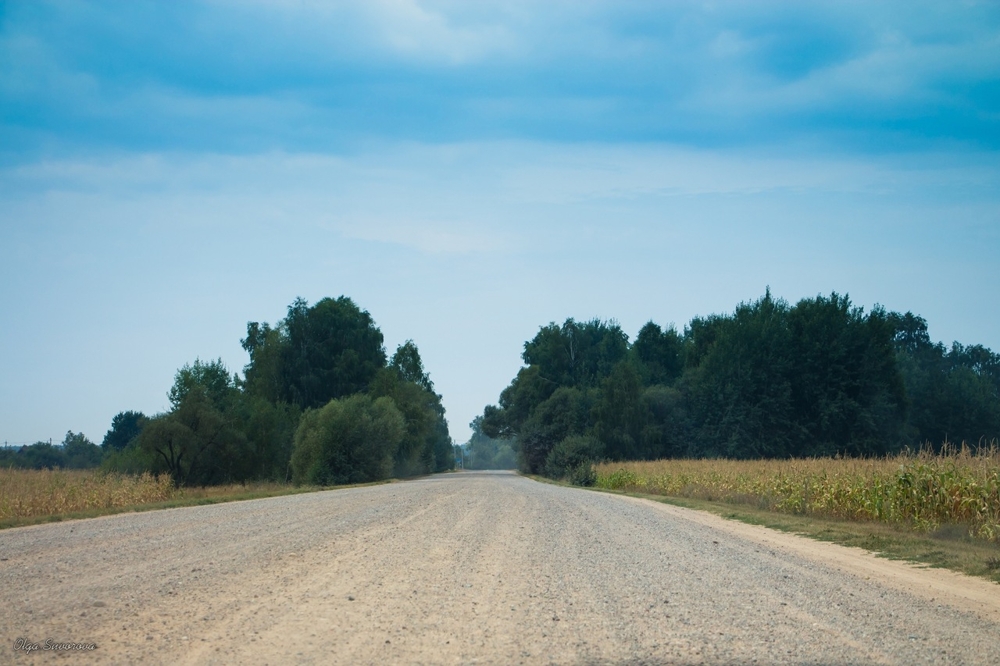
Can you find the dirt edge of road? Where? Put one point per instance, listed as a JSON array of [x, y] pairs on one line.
[[965, 593]]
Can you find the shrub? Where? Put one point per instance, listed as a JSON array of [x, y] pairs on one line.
[[351, 440], [583, 474], [569, 454]]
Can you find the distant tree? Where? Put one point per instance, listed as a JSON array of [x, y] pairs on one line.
[[125, 427], [414, 454], [269, 429], [953, 394], [484, 452], [80, 452], [666, 432], [40, 455]]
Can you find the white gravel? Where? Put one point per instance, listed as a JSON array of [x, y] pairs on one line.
[[460, 568]]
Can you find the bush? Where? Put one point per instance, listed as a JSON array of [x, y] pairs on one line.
[[351, 440], [583, 474], [570, 454]]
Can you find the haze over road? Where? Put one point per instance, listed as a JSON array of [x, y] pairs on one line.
[[471, 568]]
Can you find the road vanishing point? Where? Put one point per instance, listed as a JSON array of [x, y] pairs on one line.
[[471, 568]]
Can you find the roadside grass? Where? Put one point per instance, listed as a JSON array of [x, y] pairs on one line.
[[31, 497]]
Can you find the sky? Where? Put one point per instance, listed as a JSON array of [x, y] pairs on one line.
[[469, 172]]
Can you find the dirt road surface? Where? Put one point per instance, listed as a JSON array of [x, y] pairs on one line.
[[471, 568]]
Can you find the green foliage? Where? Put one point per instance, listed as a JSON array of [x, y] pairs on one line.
[[125, 427], [667, 431], [659, 354], [212, 379], [572, 456], [406, 361], [741, 393], [221, 429], [196, 443], [484, 452], [583, 474], [620, 414], [576, 354], [315, 354], [770, 380], [953, 394], [40, 455], [351, 440], [426, 446], [269, 429], [133, 459], [201, 441], [80, 452], [75, 452]]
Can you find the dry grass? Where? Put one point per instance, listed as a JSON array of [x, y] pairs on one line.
[[30, 496], [27, 493], [924, 491]]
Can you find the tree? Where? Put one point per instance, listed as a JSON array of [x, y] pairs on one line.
[[621, 415], [484, 452], [576, 354], [80, 452], [426, 446], [847, 393], [666, 432], [125, 427], [406, 361], [658, 354], [330, 350], [350, 440], [953, 394], [40, 455], [212, 378], [201, 440], [740, 393]]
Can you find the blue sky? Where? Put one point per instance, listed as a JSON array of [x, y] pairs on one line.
[[468, 172]]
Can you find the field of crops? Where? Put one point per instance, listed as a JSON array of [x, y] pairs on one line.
[[26, 493], [924, 490]]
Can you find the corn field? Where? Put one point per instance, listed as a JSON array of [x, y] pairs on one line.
[[27, 493], [920, 490]]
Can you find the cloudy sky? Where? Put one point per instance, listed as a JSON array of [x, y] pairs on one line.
[[467, 172]]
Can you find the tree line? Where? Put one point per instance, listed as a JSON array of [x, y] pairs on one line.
[[771, 380], [319, 402]]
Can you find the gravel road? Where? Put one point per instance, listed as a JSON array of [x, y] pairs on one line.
[[470, 567]]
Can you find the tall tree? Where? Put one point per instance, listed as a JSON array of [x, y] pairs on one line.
[[318, 353]]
